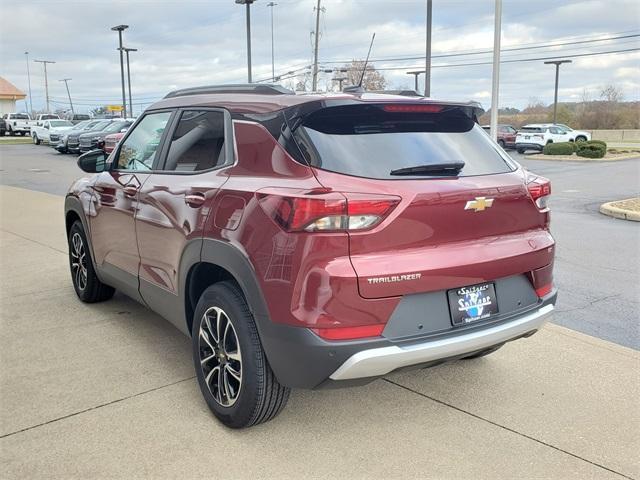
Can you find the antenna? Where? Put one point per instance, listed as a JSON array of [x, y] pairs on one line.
[[364, 69]]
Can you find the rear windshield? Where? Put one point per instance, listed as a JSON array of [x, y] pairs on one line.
[[369, 141], [20, 116], [531, 129], [49, 117]]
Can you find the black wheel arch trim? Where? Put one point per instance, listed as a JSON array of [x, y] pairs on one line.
[[72, 204]]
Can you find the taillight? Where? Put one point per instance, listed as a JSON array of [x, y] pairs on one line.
[[333, 211], [350, 333], [540, 190]]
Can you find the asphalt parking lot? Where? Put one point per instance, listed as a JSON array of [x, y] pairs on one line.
[[107, 390]]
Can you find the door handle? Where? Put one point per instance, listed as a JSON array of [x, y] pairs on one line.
[[130, 190], [194, 200]]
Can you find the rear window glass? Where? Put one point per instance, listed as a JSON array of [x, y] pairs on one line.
[[20, 116], [367, 141]]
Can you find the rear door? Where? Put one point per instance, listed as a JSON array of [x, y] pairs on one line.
[[450, 228], [175, 201]]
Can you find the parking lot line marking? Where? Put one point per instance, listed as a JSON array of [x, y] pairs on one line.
[[95, 407], [34, 241], [541, 442]]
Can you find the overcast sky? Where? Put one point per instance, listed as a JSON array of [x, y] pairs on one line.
[[198, 42]]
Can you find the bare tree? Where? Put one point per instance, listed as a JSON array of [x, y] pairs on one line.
[[373, 79]]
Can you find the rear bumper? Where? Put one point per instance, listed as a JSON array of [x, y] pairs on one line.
[[301, 359], [529, 146], [380, 361]]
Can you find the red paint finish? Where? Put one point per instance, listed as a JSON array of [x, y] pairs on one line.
[[350, 281]]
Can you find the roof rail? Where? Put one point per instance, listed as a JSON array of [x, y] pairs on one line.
[[253, 88]]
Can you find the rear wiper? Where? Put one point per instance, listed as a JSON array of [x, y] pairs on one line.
[[450, 168]]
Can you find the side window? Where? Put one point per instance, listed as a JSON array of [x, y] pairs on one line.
[[555, 130], [198, 142], [139, 150]]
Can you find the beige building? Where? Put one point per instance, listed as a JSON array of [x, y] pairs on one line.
[[9, 94]]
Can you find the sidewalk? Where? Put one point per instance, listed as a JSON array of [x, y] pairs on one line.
[[107, 391]]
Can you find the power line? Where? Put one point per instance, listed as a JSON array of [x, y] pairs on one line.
[[481, 52], [517, 60]]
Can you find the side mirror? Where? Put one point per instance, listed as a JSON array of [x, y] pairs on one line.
[[46, 127], [94, 161]]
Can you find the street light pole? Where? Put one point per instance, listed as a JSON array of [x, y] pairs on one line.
[[46, 80], [66, 84], [427, 66], [127, 50], [248, 18], [314, 81], [273, 68], [495, 81], [29, 80], [120, 29], [416, 74], [557, 63]]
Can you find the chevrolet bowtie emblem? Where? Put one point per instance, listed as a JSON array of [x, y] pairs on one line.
[[479, 204]]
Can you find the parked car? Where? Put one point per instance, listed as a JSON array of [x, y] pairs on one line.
[[76, 118], [506, 135], [62, 145], [110, 142], [313, 240], [73, 138], [92, 139], [536, 136], [16, 124], [50, 131]]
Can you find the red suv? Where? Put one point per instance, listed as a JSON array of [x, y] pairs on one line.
[[313, 240]]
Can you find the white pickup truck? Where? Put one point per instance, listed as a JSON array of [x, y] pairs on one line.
[[50, 131], [15, 124], [21, 123]]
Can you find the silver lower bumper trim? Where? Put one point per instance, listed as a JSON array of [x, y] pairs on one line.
[[380, 361]]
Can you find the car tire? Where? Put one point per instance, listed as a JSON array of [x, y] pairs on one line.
[[85, 281], [250, 392], [10, 130], [501, 143], [484, 353], [581, 139], [36, 140], [520, 150]]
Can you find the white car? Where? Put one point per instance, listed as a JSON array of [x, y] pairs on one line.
[[536, 135], [50, 131]]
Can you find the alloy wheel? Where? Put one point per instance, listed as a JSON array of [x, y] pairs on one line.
[[78, 261], [220, 358]]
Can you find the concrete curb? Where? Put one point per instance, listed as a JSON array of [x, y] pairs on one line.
[[575, 158], [612, 211]]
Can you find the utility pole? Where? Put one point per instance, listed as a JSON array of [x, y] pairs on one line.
[[120, 29], [46, 80], [495, 83], [557, 63], [416, 74], [314, 82], [29, 80], [273, 68], [66, 84], [248, 18], [127, 50], [427, 65]]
